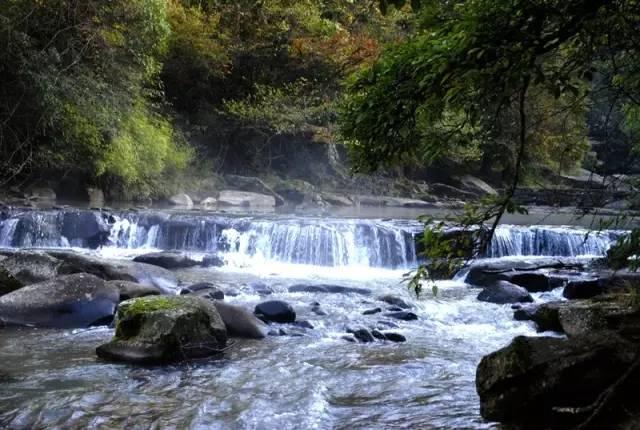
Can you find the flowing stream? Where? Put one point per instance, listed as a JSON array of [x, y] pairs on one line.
[[313, 379]]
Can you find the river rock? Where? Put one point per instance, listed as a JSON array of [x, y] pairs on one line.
[[7, 282], [361, 334], [70, 301], [261, 288], [402, 315], [254, 185], [583, 288], [336, 199], [503, 292], [212, 260], [246, 199], [165, 329], [89, 227], [275, 311], [131, 290], [394, 337], [485, 273], [330, 289], [168, 260], [181, 200], [205, 290], [395, 301], [29, 267], [540, 382], [117, 270], [316, 308], [240, 322], [372, 311]]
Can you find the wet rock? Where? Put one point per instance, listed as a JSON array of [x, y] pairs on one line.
[[361, 334], [167, 260], [246, 199], [403, 315], [485, 273], [533, 281], [394, 308], [336, 199], [275, 311], [372, 311], [395, 301], [72, 301], [543, 382], [394, 337], [212, 260], [28, 267], [330, 289], [382, 325], [317, 309], [349, 338], [117, 270], [583, 288], [165, 329], [304, 324], [240, 322], [131, 290], [89, 227], [254, 185], [205, 290], [378, 334], [181, 200], [503, 292], [261, 288]]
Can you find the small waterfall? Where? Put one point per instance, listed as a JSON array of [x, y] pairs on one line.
[[510, 240]]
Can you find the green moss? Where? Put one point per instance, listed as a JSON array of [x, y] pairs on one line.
[[148, 304]]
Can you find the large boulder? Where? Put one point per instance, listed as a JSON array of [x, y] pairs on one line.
[[165, 329], [117, 270], [131, 290], [166, 259], [246, 199], [78, 300], [90, 228], [240, 322], [584, 288], [502, 292], [275, 311], [544, 382], [484, 273], [27, 267], [254, 185], [181, 200]]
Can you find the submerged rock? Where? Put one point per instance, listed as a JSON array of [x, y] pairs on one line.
[[394, 337], [329, 289], [275, 311], [372, 311], [165, 329], [395, 301], [168, 260], [543, 382], [240, 322], [503, 292], [71, 301], [402, 315], [361, 334], [212, 260]]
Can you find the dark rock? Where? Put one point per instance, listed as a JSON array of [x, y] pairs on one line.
[[394, 337], [394, 308], [349, 338], [205, 290], [67, 302], [378, 335], [395, 301], [382, 325], [583, 288], [533, 281], [89, 227], [168, 260], [485, 273], [372, 311], [7, 282], [403, 315], [240, 322], [212, 260], [331, 289], [503, 292], [542, 382], [362, 334], [275, 311], [131, 290], [165, 329]]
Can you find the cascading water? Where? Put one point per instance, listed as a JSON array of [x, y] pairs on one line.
[[297, 240]]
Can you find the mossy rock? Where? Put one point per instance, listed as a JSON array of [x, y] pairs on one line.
[[158, 329]]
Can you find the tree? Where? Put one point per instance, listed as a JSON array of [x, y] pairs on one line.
[[493, 78]]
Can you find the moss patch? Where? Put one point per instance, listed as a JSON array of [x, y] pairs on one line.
[[148, 304]]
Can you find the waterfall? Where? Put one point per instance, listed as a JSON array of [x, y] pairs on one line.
[[550, 241], [330, 242]]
